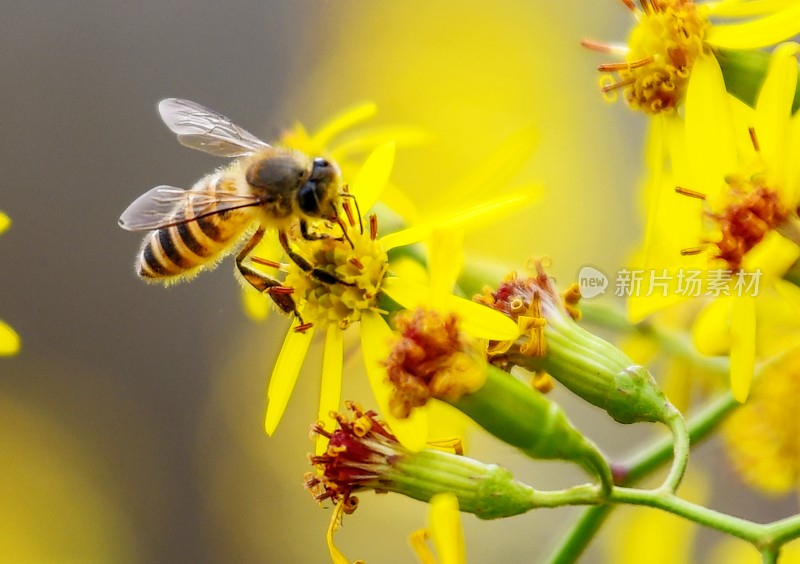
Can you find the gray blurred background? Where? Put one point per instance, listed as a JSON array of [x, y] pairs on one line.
[[131, 423]]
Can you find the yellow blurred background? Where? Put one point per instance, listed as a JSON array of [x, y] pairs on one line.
[[131, 422]]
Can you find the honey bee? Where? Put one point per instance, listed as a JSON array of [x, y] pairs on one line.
[[264, 187]]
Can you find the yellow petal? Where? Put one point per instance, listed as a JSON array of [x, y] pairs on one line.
[[446, 532], [758, 33], [375, 342], [774, 109], [401, 135], [710, 142], [331, 383], [336, 555], [5, 222], [499, 168], [476, 319], [373, 176], [739, 8], [471, 217], [9, 340], [345, 120], [743, 345], [655, 157], [255, 304], [772, 256], [710, 332], [640, 306], [444, 263], [400, 203], [418, 541], [284, 375]]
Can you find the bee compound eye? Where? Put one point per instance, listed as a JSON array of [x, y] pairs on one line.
[[319, 162], [307, 198]]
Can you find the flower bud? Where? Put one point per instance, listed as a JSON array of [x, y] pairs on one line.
[[553, 342]]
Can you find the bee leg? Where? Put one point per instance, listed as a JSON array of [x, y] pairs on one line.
[[280, 294], [307, 267]]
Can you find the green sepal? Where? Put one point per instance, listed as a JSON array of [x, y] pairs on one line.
[[744, 73]]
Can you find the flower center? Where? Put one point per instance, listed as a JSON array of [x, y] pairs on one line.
[[750, 208], [360, 452], [431, 358], [754, 209], [356, 259], [661, 51]]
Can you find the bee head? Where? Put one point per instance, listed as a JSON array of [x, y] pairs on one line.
[[315, 197]]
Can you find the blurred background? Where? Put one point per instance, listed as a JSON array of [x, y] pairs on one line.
[[131, 422]]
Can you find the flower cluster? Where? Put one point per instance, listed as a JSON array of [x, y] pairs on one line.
[[722, 195]]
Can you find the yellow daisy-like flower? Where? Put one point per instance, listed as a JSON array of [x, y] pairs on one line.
[[9, 340], [359, 259], [674, 39], [445, 532], [733, 217], [338, 140], [763, 436]]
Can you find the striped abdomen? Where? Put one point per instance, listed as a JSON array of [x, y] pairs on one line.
[[180, 251]]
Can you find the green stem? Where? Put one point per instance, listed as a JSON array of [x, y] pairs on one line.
[[700, 426], [741, 528], [769, 555], [578, 537], [782, 531], [681, 445], [643, 464]]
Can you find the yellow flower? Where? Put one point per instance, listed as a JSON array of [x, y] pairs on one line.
[[445, 532], [9, 340], [733, 216], [763, 436], [337, 140], [360, 260], [675, 39]]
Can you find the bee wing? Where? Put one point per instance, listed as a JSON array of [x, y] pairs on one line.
[[164, 206], [203, 129]]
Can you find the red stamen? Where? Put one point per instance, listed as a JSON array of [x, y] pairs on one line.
[[630, 5], [303, 328], [349, 212], [597, 46], [620, 84], [608, 67], [754, 139], [691, 193], [265, 262], [373, 227], [691, 251], [357, 263]]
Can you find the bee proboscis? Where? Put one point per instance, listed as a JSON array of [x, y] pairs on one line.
[[264, 187]]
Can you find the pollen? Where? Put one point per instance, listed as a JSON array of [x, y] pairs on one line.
[[749, 208], [753, 210], [662, 48], [352, 257], [360, 453], [431, 358]]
